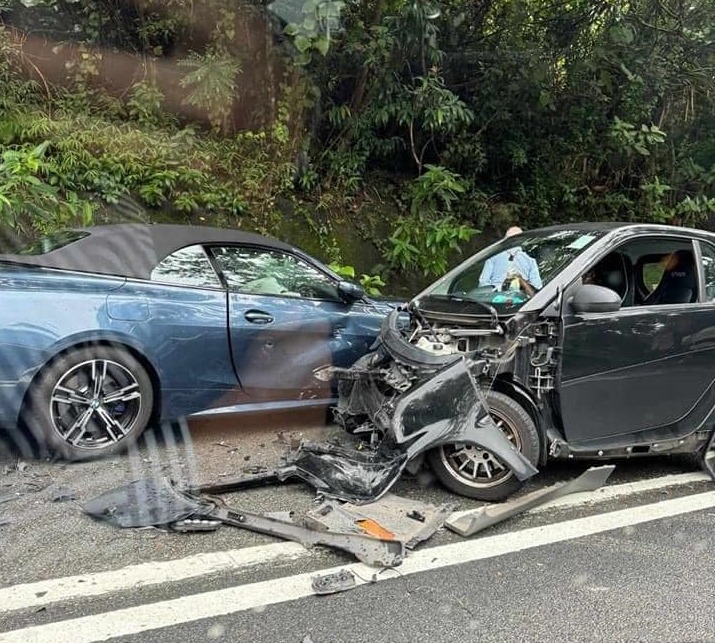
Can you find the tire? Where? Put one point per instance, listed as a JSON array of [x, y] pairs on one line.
[[89, 402], [485, 477]]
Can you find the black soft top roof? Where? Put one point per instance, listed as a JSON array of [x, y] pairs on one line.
[[134, 249]]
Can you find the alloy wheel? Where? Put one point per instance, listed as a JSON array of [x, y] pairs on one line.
[[477, 467], [95, 404]]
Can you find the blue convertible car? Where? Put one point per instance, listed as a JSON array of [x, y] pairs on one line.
[[106, 330]]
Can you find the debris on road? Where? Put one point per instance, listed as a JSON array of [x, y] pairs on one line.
[[333, 583], [63, 494], [157, 502], [195, 524], [344, 472], [390, 514], [475, 521]]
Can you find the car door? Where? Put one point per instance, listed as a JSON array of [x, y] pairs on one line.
[[286, 320], [645, 373], [186, 335]]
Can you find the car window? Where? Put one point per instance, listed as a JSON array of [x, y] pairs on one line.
[[652, 272], [270, 272], [708, 260], [187, 267], [648, 271]]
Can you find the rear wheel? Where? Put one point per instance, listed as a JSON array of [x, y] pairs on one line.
[[90, 402], [477, 473]]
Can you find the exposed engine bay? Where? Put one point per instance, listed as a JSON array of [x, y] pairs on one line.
[[412, 348]]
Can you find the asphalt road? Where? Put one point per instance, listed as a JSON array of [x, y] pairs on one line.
[[632, 566]]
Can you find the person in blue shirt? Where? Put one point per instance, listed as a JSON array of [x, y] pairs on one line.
[[513, 266]]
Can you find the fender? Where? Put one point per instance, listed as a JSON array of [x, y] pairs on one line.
[[448, 408]]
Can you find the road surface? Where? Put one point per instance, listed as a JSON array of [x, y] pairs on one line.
[[628, 562]]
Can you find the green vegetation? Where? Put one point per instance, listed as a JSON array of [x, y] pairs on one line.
[[416, 124]]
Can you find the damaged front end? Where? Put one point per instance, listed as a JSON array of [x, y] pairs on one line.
[[416, 393]]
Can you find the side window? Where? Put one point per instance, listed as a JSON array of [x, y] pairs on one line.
[[708, 259], [187, 267], [665, 272], [270, 272], [613, 271], [650, 271]]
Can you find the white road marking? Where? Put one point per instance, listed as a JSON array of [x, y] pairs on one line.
[[142, 575], [616, 491], [37, 594], [134, 620]]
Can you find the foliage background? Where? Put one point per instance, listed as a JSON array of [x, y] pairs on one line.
[[387, 135]]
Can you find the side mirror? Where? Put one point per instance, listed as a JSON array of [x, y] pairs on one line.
[[591, 298], [350, 292]]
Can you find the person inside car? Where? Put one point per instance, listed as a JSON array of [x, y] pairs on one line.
[[511, 269]]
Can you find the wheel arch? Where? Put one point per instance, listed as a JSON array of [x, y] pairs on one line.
[[521, 395]]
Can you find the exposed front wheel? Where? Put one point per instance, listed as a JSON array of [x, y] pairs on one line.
[[479, 474], [90, 402]]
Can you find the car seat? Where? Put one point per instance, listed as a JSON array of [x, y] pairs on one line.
[[677, 285]]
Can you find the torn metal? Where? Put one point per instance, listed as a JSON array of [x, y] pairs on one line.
[[157, 502], [472, 522], [414, 401]]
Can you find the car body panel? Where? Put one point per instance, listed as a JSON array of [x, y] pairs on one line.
[[278, 342], [54, 302], [633, 371]]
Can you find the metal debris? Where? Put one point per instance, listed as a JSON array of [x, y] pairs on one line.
[[190, 525], [332, 583]]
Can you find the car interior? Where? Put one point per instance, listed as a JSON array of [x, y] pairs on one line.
[[647, 273]]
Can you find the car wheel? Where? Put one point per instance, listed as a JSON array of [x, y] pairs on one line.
[[89, 402], [477, 473]]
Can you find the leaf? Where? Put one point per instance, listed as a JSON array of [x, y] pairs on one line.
[[322, 44], [302, 43], [291, 29]]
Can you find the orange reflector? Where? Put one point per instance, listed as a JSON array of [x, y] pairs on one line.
[[373, 528]]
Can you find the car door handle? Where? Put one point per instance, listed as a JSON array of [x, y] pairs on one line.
[[258, 317]]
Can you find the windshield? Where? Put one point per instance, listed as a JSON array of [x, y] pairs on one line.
[[508, 274]]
